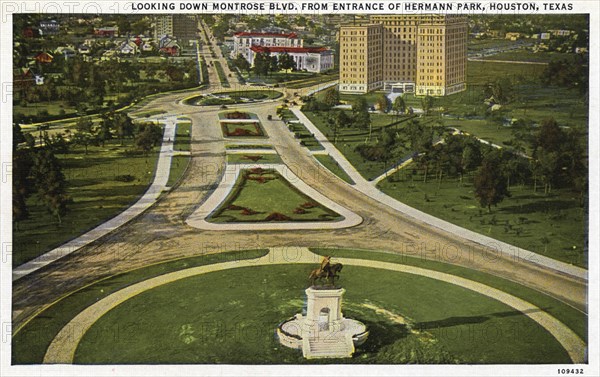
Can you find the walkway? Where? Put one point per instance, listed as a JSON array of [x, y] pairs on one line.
[[364, 186], [163, 168], [63, 346]]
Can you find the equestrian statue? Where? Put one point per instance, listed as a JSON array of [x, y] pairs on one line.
[[328, 271]]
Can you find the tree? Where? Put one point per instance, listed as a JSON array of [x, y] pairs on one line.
[[50, 182], [241, 63], [21, 189], [427, 104], [273, 64], [399, 106], [286, 61], [490, 184], [382, 103], [149, 136], [262, 63], [84, 124], [331, 97]]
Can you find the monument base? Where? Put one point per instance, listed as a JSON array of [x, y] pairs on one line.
[[323, 332]]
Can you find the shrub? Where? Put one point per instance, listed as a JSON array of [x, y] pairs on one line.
[[125, 178]]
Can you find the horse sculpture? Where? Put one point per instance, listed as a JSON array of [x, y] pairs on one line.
[[327, 270]]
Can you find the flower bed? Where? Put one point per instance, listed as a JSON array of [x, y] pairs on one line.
[[242, 129], [263, 195]]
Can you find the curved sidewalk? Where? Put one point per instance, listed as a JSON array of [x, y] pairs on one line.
[[232, 171], [63, 346], [161, 177], [496, 246]]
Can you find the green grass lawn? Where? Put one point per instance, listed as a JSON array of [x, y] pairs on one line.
[[529, 56], [350, 138], [304, 83], [575, 319], [264, 195], [189, 322], [251, 94], [221, 73], [327, 161], [523, 220], [278, 77], [30, 342], [95, 183], [239, 158], [148, 113], [179, 165], [242, 129], [182, 136]]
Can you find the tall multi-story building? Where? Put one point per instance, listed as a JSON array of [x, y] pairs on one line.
[[184, 27], [361, 58], [424, 54]]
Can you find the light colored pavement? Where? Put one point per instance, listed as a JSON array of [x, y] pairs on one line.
[[161, 176], [368, 189], [63, 346], [232, 172]]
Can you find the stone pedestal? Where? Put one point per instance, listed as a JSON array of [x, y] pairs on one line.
[[323, 332]]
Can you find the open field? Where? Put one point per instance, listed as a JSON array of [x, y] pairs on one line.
[[102, 184], [191, 319], [553, 225]]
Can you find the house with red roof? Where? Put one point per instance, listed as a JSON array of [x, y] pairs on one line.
[[311, 59]]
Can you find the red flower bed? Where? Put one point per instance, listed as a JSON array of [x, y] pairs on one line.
[[299, 211], [233, 207], [241, 132], [252, 158], [257, 171], [276, 216], [308, 205], [248, 212], [237, 115]]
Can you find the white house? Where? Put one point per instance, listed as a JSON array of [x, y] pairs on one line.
[[243, 41], [311, 59]]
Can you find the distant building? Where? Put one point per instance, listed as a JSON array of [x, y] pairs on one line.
[[561, 33], [243, 41], [426, 54], [512, 36], [184, 27], [311, 59], [66, 51], [49, 27], [44, 58], [545, 36], [106, 31]]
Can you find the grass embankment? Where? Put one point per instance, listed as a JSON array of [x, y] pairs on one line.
[[328, 162], [29, 343], [264, 195], [549, 224], [221, 73], [306, 138], [180, 163], [426, 321], [102, 184]]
